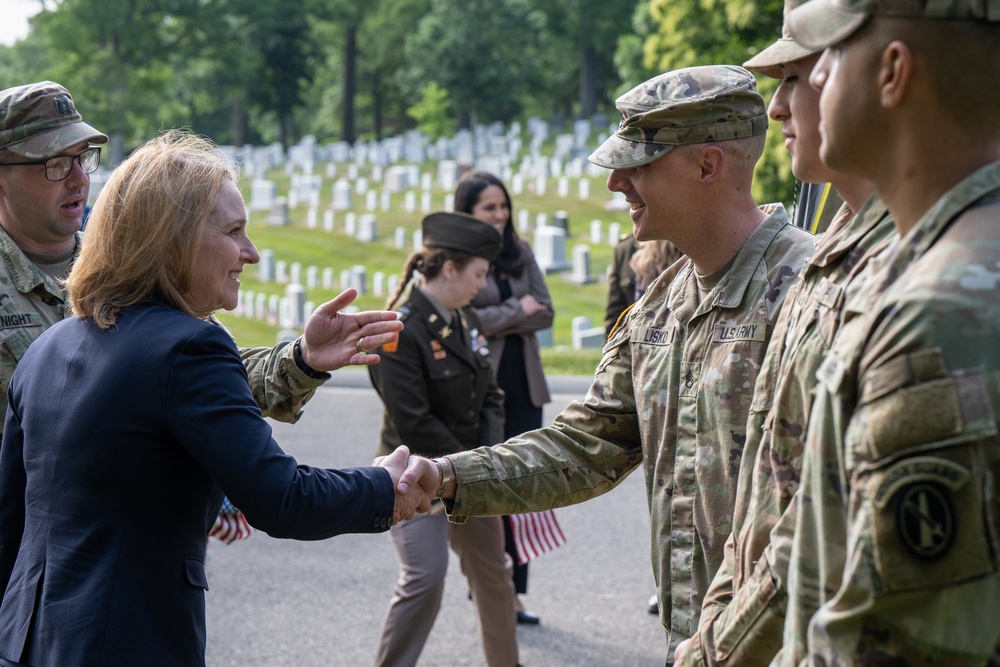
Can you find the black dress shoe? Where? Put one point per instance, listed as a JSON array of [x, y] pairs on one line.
[[525, 617]]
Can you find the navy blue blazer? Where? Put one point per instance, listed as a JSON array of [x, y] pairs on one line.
[[117, 450]]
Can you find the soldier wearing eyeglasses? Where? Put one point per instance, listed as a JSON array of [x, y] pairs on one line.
[[47, 154]]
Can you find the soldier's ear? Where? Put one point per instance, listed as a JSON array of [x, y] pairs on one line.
[[708, 161], [895, 73]]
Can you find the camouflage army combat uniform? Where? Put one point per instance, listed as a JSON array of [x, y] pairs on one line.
[[31, 302], [694, 361], [895, 552], [749, 630]]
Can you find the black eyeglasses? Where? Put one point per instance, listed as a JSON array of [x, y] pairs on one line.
[[58, 168]]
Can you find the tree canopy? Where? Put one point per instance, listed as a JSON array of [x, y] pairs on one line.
[[249, 71]]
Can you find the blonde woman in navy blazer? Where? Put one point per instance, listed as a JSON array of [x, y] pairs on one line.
[[128, 422]]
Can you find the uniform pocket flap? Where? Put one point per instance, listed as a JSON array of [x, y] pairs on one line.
[[194, 570]]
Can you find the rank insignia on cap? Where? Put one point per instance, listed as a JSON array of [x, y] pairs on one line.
[[925, 519]]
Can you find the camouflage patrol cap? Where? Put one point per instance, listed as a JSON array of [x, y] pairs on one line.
[[784, 50], [686, 106], [39, 120], [821, 23], [458, 231]]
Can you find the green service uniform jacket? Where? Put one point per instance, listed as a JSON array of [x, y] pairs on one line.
[[437, 385], [672, 392]]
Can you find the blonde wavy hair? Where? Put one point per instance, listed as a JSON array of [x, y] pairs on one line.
[[146, 227]]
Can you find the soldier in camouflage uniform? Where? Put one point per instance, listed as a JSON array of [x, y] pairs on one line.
[[674, 385], [896, 528], [41, 210], [743, 615]]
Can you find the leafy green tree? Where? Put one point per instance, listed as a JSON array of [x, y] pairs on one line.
[[590, 29], [433, 112], [705, 32], [479, 51]]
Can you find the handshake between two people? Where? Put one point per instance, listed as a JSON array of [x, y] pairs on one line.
[[417, 481]]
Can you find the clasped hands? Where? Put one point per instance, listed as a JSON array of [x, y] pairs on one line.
[[416, 481]]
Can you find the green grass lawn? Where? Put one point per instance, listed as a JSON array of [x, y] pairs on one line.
[[336, 250]]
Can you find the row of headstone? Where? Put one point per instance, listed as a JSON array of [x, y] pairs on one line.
[[293, 309], [307, 189]]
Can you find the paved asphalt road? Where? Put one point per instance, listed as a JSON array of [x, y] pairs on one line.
[[280, 602]]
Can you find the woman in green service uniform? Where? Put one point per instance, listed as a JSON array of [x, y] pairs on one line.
[[441, 397]]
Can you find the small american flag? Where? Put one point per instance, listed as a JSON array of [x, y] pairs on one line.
[[535, 534], [230, 525]]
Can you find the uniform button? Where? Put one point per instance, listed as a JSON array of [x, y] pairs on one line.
[[472, 413]]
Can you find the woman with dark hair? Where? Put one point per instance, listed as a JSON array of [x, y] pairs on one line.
[[513, 306], [441, 397]]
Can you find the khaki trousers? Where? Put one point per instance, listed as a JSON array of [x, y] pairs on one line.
[[422, 547]]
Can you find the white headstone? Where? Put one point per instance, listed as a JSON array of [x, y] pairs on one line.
[[399, 238], [361, 185], [260, 306], [359, 278], [281, 271], [328, 220], [581, 265], [562, 186], [614, 234], [540, 186], [262, 194], [418, 240], [393, 283], [584, 189], [265, 269], [384, 202], [447, 174], [312, 277], [425, 202], [550, 249], [246, 304], [517, 185], [378, 284], [342, 196], [311, 215], [585, 335], [596, 231], [366, 228], [295, 273], [345, 279], [371, 200], [293, 198], [328, 278], [523, 221], [273, 308], [351, 223], [279, 213], [541, 220], [410, 201], [296, 295]]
